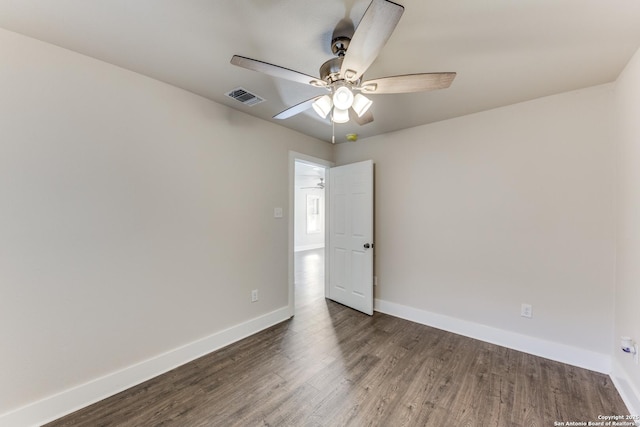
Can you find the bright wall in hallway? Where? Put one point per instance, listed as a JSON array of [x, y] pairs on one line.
[[307, 237]]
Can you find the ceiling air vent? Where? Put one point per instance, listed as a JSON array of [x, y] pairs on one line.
[[244, 96]]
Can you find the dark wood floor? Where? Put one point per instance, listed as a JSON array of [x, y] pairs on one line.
[[332, 366]]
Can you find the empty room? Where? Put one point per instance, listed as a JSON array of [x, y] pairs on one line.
[[298, 213]]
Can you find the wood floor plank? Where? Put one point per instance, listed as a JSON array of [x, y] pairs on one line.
[[332, 366]]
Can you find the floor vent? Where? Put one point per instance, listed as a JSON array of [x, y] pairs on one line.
[[244, 96]]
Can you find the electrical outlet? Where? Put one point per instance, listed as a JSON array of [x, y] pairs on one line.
[[526, 310], [254, 295]]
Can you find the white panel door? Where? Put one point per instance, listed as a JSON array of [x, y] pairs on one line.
[[351, 235]]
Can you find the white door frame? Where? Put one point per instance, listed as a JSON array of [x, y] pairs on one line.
[[293, 157]]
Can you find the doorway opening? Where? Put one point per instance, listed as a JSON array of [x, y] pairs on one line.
[[308, 227], [309, 233], [346, 194]]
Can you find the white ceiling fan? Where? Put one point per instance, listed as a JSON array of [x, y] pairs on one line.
[[318, 186], [342, 76]]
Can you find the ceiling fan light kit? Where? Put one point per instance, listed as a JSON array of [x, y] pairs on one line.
[[343, 98], [361, 104], [343, 75], [340, 116], [323, 106]]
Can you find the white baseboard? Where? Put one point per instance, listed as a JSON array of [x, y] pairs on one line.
[[628, 391], [550, 350], [65, 402]]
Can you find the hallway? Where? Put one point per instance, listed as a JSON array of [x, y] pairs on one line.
[[308, 277]]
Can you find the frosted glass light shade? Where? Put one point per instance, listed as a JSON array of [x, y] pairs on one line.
[[361, 104], [340, 116], [343, 98], [322, 106]]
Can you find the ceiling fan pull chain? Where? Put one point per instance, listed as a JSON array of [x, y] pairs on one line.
[[333, 130]]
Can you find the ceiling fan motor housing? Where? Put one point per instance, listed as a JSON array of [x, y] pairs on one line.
[[339, 45], [330, 70]]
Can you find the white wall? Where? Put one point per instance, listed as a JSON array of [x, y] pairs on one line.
[[627, 312], [125, 226], [303, 240], [479, 214]]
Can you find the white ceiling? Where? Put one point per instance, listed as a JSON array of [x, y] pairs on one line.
[[504, 51]]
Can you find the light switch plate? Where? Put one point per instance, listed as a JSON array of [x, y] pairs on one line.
[[526, 310], [277, 212]]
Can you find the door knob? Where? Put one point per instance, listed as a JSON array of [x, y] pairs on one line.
[[368, 245]]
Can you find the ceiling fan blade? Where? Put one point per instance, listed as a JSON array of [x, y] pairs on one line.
[[366, 117], [372, 33], [408, 83], [276, 71], [296, 109]]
